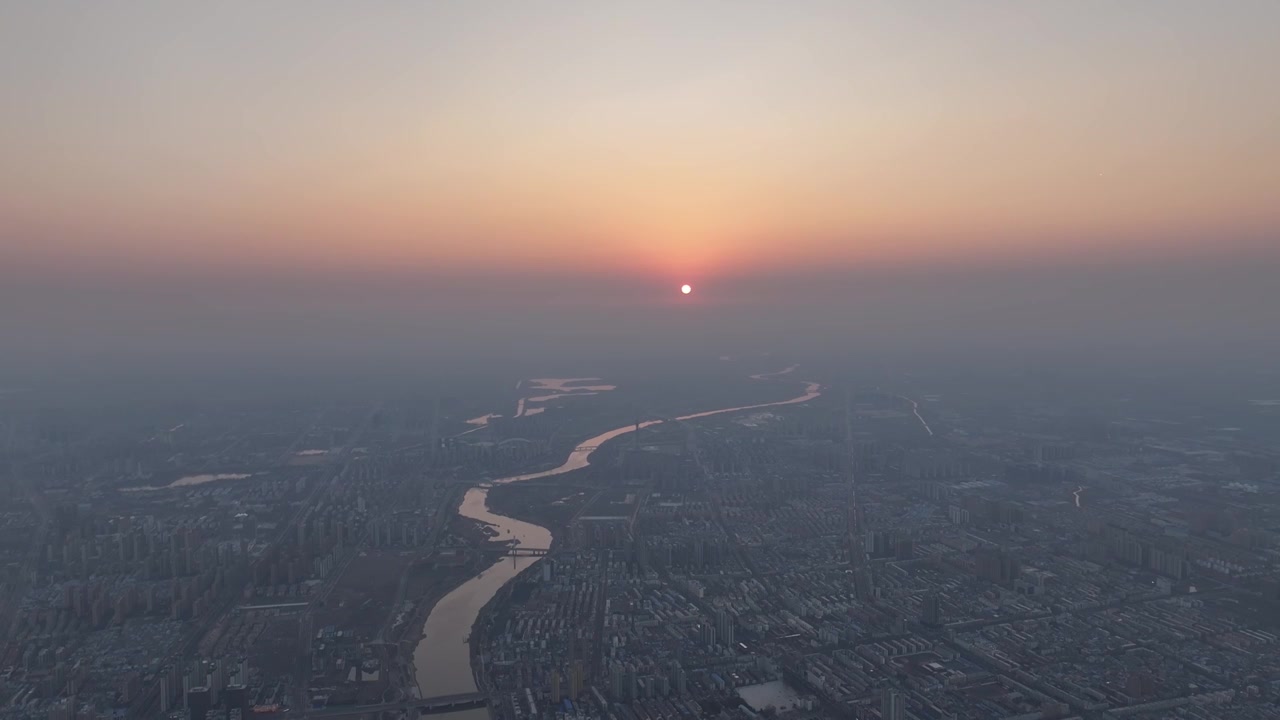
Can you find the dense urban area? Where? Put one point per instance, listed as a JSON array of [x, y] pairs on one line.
[[895, 548]]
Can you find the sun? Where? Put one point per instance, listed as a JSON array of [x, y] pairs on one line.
[[686, 289]]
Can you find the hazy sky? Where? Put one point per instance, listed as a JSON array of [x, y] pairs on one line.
[[158, 157], [669, 138]]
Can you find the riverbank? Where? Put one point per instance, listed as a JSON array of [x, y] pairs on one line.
[[479, 635], [442, 658], [408, 635], [508, 500]]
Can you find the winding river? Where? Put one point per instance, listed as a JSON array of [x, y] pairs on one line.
[[442, 659]]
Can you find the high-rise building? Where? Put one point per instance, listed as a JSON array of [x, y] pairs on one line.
[[575, 682], [130, 687], [1140, 685], [166, 693], [863, 583], [892, 705], [679, 680], [707, 634], [199, 702], [996, 565], [617, 680], [555, 687], [880, 543], [905, 549], [853, 519], [1170, 562], [217, 681], [63, 710], [931, 610], [724, 627], [237, 696], [661, 685]]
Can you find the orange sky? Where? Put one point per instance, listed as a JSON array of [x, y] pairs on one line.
[[660, 138]]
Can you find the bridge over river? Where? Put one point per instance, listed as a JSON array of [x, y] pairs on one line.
[[509, 550], [424, 706]]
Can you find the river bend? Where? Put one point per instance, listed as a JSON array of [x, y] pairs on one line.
[[442, 659]]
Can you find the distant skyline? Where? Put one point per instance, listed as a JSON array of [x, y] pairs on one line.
[[665, 141]]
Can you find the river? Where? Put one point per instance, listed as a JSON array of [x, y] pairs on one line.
[[442, 659]]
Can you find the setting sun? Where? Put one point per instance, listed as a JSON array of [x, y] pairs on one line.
[[686, 289]]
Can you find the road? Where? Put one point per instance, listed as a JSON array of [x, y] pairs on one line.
[[915, 408]]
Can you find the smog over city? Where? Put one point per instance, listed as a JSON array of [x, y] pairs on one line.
[[640, 360]]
